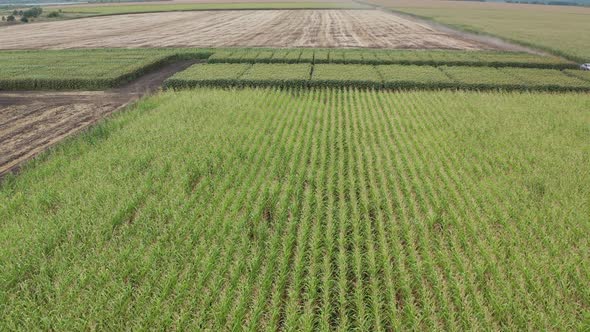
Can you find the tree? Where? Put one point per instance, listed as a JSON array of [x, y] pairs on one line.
[[11, 18], [3, 18], [14, 12], [33, 12], [24, 19]]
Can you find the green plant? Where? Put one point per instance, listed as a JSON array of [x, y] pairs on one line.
[[548, 79], [335, 75], [82, 69], [293, 75], [306, 209], [207, 75], [483, 78], [54, 14], [399, 76]]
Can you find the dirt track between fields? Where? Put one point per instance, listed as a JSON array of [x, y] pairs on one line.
[[32, 121], [244, 28]]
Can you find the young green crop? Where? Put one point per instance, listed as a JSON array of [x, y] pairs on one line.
[[383, 76], [82, 69], [205, 75], [398, 76], [307, 209], [483, 78], [101, 69], [582, 74], [285, 56], [345, 75], [220, 56], [321, 56], [415, 57], [264, 56], [337, 56], [307, 55], [547, 79], [277, 75]]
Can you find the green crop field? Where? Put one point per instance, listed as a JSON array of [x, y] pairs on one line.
[[378, 77], [382, 57], [82, 69], [212, 74], [562, 30], [105, 68], [147, 7], [398, 76], [342, 75], [277, 74], [101, 69], [317, 209]]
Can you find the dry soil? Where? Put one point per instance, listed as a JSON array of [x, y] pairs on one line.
[[244, 28]]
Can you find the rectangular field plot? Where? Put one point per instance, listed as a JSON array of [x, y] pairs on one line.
[[375, 57], [277, 74], [483, 78], [547, 79], [286, 56], [238, 28], [519, 59], [210, 74], [399, 76], [378, 77], [582, 74], [345, 75], [297, 209], [80, 69]]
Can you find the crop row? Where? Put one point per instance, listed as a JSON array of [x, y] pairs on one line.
[[382, 76], [379, 57]]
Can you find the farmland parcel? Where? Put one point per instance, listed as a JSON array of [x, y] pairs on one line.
[[251, 28], [323, 209], [559, 29]]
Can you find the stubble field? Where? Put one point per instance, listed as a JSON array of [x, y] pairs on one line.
[[266, 28]]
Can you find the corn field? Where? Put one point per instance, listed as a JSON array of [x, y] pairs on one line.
[[321, 209], [378, 77]]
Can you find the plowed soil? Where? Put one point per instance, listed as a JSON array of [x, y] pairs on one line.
[[244, 28], [32, 121]]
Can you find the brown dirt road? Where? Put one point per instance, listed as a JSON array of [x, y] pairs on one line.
[[33, 121], [244, 28]]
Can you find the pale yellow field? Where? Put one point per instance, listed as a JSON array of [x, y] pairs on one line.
[[245, 28]]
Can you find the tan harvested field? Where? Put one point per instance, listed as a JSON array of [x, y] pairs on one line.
[[171, 2], [244, 28]]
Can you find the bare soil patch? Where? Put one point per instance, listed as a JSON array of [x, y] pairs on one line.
[[244, 28], [32, 121]]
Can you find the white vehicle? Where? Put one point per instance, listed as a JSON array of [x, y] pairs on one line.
[[585, 66]]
